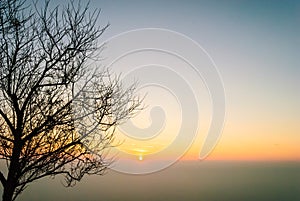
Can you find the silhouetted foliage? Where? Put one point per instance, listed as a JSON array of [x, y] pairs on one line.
[[57, 113]]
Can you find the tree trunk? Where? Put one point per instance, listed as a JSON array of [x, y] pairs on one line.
[[8, 192], [10, 185], [12, 177]]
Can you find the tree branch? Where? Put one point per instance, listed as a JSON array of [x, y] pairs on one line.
[[7, 121], [2, 179]]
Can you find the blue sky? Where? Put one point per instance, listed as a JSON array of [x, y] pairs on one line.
[[255, 45]]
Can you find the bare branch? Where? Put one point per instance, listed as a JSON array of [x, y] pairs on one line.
[[58, 113], [2, 179]]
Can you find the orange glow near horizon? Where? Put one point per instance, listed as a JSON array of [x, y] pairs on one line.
[[255, 148], [264, 137], [273, 146]]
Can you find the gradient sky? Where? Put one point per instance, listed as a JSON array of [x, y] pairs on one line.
[[256, 46]]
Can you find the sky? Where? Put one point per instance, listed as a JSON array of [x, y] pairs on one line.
[[255, 47], [251, 49]]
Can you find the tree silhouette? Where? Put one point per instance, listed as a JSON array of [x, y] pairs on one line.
[[57, 111]]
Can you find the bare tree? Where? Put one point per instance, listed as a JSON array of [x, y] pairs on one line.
[[57, 112]]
